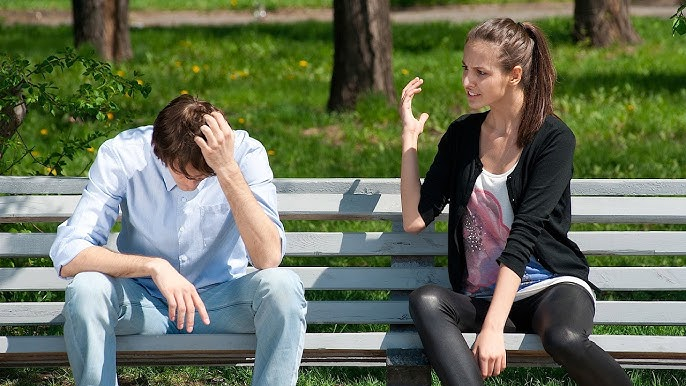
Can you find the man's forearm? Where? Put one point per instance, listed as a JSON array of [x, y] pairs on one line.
[[101, 259], [259, 233]]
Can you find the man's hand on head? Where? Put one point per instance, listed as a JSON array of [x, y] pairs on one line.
[[217, 146]]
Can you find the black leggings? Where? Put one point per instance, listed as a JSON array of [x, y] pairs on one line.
[[561, 315]]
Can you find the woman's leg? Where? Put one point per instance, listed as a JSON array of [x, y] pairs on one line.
[[440, 316], [563, 318]]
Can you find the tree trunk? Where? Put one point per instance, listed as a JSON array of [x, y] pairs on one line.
[[105, 25], [363, 47], [603, 22]]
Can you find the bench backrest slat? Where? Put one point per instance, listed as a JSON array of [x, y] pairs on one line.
[[386, 278], [579, 187], [627, 243], [664, 210]]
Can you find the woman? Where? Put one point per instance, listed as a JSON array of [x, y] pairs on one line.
[[505, 173]]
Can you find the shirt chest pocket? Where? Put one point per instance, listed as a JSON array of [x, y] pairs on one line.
[[215, 221]]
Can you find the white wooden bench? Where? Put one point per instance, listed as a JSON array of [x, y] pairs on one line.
[[658, 204]]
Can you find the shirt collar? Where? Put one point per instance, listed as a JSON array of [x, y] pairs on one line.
[[169, 182]]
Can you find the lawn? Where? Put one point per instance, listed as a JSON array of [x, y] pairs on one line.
[[210, 5], [625, 104]]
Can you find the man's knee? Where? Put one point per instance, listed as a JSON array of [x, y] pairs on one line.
[[281, 287], [89, 291]]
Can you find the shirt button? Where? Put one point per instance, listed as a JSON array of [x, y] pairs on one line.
[[183, 199], [183, 258]]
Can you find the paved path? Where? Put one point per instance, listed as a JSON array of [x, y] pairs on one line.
[[456, 13]]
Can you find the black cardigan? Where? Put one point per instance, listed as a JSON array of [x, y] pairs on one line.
[[538, 189]]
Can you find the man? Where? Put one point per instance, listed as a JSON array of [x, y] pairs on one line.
[[198, 204]]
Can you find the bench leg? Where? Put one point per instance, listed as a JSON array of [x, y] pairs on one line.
[[407, 368]]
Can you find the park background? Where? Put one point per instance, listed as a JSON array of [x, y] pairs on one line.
[[625, 103]]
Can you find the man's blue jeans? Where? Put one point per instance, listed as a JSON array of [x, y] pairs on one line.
[[269, 303]]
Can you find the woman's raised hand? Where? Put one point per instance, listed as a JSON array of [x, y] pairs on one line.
[[411, 125]]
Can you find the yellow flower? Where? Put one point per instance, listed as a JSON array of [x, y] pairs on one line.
[[178, 63], [139, 81], [234, 3], [35, 153], [110, 115], [44, 131], [184, 92], [630, 107], [51, 171], [233, 76], [241, 120], [303, 63], [404, 71], [121, 73], [271, 152], [90, 149], [196, 69]]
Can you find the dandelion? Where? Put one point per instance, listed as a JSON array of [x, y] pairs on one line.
[[183, 92], [139, 81], [404, 71], [90, 149], [233, 76], [303, 63], [241, 120], [234, 3], [196, 68], [43, 131], [630, 107], [121, 73], [50, 171], [110, 115], [35, 153], [271, 152]]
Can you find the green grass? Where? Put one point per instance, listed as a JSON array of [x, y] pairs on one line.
[[624, 104], [209, 5]]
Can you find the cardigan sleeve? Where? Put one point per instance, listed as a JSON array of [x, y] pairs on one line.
[[435, 190], [547, 174]]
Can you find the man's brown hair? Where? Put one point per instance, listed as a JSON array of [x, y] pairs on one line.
[[174, 131]]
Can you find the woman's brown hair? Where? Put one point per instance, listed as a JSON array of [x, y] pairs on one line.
[[174, 131], [525, 45]]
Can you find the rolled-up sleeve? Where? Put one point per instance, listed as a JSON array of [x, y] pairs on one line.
[[96, 212]]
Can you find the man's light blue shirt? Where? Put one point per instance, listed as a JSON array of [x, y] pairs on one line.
[[193, 230]]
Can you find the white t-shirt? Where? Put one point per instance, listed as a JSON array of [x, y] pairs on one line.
[[486, 227]]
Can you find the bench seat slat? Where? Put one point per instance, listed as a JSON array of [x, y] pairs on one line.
[[386, 278], [631, 351], [382, 312]]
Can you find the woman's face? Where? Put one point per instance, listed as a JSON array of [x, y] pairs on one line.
[[483, 80]]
